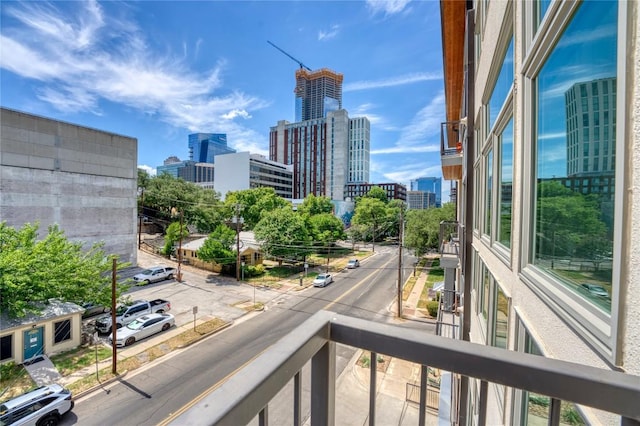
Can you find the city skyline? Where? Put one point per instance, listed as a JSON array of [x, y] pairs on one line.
[[159, 71]]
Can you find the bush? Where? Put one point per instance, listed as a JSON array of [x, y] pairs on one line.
[[432, 308], [253, 271]]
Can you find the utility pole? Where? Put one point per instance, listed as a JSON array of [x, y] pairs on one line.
[[140, 214], [114, 354], [179, 275], [237, 242], [401, 226]]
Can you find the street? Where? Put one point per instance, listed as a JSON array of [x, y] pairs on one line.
[[149, 395]]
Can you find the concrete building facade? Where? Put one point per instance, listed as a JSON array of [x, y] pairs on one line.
[[317, 93], [549, 264], [359, 149], [82, 179], [242, 170]]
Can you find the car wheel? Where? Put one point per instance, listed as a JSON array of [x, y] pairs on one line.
[[130, 341], [170, 276], [118, 326], [166, 326], [160, 311], [49, 420]]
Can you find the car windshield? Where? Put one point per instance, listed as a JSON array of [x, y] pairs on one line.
[[352, 261], [135, 325], [147, 272], [322, 276], [120, 310]]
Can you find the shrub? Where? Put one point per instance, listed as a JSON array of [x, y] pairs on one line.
[[254, 271], [432, 308]]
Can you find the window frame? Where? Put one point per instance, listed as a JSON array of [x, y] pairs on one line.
[[596, 326], [62, 325]]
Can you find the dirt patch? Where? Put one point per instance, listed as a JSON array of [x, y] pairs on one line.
[[365, 362]]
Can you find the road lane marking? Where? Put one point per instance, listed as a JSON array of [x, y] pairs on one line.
[[215, 386]]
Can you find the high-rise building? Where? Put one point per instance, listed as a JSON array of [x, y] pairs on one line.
[[319, 152], [547, 249], [203, 147], [317, 93], [359, 150], [420, 200], [591, 127], [428, 184]]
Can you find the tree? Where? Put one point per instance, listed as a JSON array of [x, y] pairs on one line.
[[32, 271], [370, 212], [326, 228], [173, 236], [422, 231], [377, 193], [313, 205], [217, 246], [283, 234], [254, 203]]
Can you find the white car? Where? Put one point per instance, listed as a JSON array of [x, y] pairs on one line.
[[353, 263], [43, 406], [142, 327], [322, 280]]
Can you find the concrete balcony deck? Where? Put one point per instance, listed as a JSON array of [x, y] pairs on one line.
[[248, 392]]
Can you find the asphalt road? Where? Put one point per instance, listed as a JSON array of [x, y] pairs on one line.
[[149, 395]]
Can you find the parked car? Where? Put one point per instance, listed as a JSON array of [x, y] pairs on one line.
[[126, 313], [155, 274], [144, 326], [595, 290], [44, 406], [322, 280], [91, 310], [353, 263]]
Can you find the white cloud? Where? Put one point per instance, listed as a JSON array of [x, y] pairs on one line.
[[148, 169], [391, 82], [388, 7], [331, 33], [84, 57]]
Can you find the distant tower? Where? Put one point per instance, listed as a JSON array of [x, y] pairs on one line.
[[317, 93], [203, 147], [429, 184]]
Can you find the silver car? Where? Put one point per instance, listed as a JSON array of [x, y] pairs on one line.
[[142, 327], [322, 280], [44, 406]]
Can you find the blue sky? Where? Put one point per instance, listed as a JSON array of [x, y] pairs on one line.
[[158, 71]]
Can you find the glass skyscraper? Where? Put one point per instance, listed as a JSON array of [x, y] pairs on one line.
[[317, 93], [429, 184], [203, 147]]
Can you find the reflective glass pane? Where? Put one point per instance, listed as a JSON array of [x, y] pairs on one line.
[[502, 87], [506, 184], [488, 193], [574, 212], [501, 323]]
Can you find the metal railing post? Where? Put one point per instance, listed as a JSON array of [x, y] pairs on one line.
[[373, 388], [323, 386], [422, 417]]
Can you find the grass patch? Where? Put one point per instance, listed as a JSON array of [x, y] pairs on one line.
[[408, 287], [435, 274], [71, 361]]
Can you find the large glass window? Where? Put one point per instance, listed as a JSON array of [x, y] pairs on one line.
[[488, 193], [506, 184], [500, 319], [573, 230], [503, 85]]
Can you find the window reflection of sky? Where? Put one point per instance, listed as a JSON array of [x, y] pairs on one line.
[[503, 85], [586, 51]]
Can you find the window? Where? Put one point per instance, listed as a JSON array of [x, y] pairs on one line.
[[573, 230], [6, 347], [503, 85], [61, 331], [500, 331], [506, 183], [488, 189]]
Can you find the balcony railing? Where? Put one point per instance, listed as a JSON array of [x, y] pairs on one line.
[[248, 392], [451, 133]]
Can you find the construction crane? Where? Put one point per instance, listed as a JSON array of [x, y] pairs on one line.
[[299, 62]]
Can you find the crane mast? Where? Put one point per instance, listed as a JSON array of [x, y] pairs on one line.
[[299, 62]]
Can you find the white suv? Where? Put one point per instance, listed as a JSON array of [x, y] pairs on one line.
[[44, 406]]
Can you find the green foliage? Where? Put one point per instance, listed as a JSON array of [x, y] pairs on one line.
[[254, 203], [422, 231], [432, 308], [326, 228], [217, 246], [173, 236], [166, 196], [32, 271], [283, 234], [376, 193], [370, 213], [253, 271], [540, 400], [313, 205]]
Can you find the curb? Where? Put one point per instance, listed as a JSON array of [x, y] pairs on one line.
[[226, 325]]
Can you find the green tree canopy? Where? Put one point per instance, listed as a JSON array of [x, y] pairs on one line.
[[313, 205], [173, 236], [283, 233], [254, 203], [377, 193], [326, 228], [217, 246], [422, 230], [33, 271], [371, 213]]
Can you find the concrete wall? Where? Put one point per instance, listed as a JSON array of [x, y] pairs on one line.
[[82, 179], [232, 173]]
